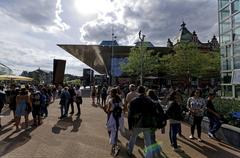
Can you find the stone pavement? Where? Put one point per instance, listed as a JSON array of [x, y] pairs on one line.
[[86, 137]]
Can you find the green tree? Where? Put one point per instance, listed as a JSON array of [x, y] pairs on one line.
[[133, 66], [188, 61]]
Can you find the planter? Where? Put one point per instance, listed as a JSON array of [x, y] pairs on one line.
[[227, 133]]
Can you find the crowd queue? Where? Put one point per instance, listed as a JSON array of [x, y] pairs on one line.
[[144, 111], [146, 114]]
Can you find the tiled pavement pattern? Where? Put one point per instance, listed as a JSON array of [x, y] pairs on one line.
[[86, 137]]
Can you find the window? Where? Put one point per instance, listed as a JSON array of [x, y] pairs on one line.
[[237, 91], [237, 62], [222, 3], [226, 64], [225, 38], [236, 48], [235, 6], [236, 20], [226, 77], [226, 51], [224, 13], [236, 34], [227, 91], [225, 26], [116, 66]]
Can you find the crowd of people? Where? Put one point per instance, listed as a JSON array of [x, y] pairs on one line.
[[142, 107], [29, 99]]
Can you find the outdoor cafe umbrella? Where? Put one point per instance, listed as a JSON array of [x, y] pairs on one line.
[[14, 78]]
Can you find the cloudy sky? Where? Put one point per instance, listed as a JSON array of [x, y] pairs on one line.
[[30, 29]]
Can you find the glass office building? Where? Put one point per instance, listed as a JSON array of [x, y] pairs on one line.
[[229, 36]]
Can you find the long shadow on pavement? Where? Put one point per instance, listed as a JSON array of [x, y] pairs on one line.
[[10, 143], [64, 123], [208, 149]]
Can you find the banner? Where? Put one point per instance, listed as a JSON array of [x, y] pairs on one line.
[[58, 71]]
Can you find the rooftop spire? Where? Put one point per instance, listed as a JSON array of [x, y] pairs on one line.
[[183, 25]]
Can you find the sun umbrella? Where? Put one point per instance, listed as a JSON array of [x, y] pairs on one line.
[[15, 78]]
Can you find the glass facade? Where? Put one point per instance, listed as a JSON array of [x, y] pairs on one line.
[[116, 66], [229, 36]]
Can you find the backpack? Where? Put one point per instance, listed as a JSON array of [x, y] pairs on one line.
[[117, 111], [36, 99], [160, 119]]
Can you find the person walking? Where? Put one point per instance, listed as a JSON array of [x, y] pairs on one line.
[[98, 93], [174, 115], [196, 105], [36, 107], [130, 96], [2, 101], [78, 99], [93, 94], [12, 100], [213, 116], [104, 96], [157, 150], [64, 102], [44, 102], [71, 99], [115, 121], [140, 120], [23, 106]]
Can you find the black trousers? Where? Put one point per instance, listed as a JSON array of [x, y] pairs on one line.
[[197, 121]]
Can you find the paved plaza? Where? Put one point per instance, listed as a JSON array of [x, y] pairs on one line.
[[86, 137]]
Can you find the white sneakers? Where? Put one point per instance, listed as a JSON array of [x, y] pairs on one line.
[[191, 137], [210, 135], [199, 139]]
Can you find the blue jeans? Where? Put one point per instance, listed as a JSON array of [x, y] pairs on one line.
[[147, 139], [44, 110], [64, 108], [214, 124], [174, 129]]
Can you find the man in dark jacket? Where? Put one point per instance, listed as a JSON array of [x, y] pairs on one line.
[[140, 120]]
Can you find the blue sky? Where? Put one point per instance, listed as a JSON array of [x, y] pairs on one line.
[[30, 29]]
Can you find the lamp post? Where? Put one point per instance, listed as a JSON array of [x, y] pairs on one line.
[[113, 39], [141, 37]]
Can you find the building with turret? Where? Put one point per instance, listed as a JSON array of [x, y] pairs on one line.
[[107, 57], [186, 36]]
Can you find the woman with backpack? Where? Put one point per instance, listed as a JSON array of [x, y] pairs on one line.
[[115, 120], [157, 151]]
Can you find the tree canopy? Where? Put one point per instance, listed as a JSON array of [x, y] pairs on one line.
[[188, 60], [133, 66]]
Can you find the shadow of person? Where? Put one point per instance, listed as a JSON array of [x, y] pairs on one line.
[[10, 143], [6, 130], [208, 149], [76, 124], [62, 124]]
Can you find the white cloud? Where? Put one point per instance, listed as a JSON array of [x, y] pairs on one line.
[[159, 20], [40, 15], [30, 30]]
